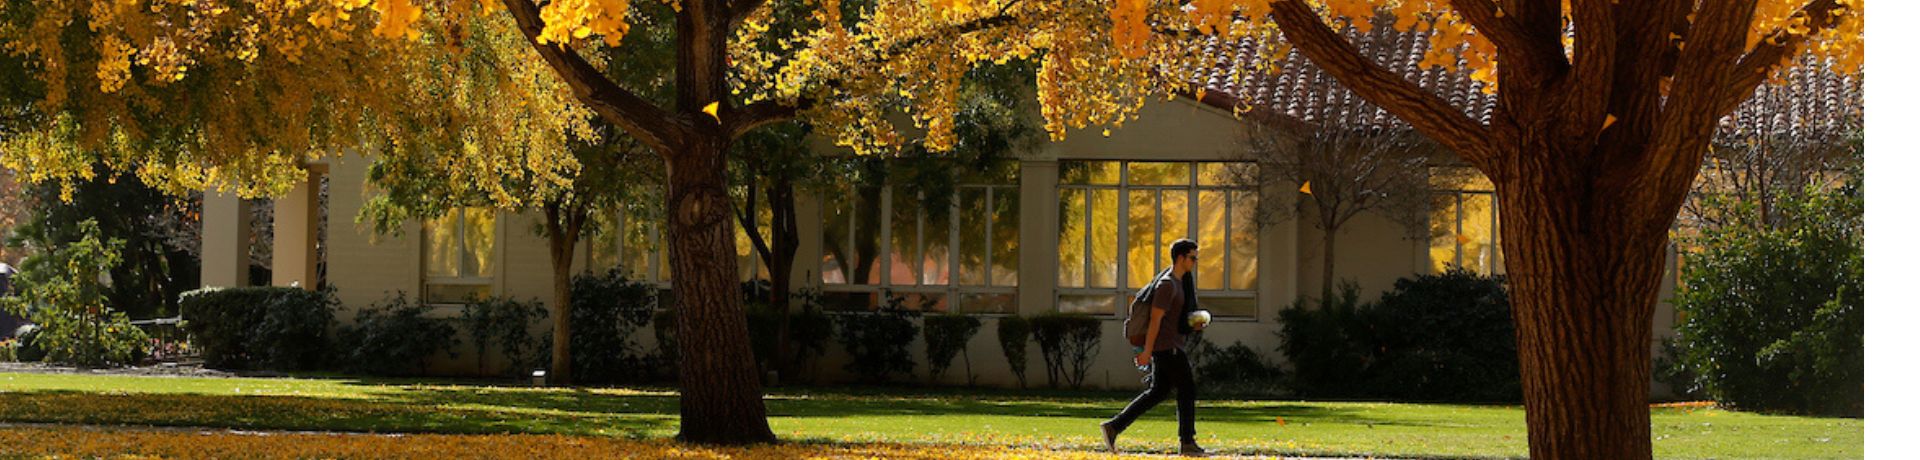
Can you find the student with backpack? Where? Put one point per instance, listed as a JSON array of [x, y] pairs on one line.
[[1157, 322]]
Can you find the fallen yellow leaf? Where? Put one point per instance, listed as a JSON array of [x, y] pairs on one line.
[[713, 110]]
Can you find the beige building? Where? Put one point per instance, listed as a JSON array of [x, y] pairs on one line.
[[1076, 226]]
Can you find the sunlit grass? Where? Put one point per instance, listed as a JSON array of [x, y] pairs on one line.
[[1055, 419]]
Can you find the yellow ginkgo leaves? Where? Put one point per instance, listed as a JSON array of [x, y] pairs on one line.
[[569, 20], [712, 110], [1306, 187]]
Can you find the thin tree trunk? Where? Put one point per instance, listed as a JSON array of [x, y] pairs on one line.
[[1326, 266], [562, 236], [780, 268], [1584, 267], [724, 407]]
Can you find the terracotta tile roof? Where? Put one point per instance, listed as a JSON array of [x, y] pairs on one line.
[[1238, 75]]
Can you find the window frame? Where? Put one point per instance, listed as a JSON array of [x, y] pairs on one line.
[[496, 255], [1123, 289], [953, 290], [1497, 266]]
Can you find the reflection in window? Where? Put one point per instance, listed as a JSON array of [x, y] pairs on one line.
[[460, 255], [958, 252], [1464, 231], [1163, 202]]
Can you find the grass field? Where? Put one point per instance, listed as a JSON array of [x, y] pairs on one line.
[[986, 418]]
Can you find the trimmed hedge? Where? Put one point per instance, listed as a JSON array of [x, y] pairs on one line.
[[278, 328], [1068, 344]]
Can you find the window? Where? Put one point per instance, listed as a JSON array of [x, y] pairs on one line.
[[959, 252], [1117, 219], [1464, 229], [461, 255], [634, 239]]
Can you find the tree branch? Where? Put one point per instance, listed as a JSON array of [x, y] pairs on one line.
[[738, 10], [658, 128], [1523, 51], [1440, 120], [764, 113]]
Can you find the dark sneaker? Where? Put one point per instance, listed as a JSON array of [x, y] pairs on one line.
[[1192, 450], [1112, 433]]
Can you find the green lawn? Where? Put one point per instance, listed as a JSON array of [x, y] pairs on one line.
[[992, 417]]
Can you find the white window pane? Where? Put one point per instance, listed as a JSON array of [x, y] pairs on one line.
[[1142, 253], [478, 250], [1073, 237], [1159, 173], [905, 245], [442, 244], [603, 246], [834, 257], [1105, 207], [937, 251], [1476, 232], [637, 247], [1443, 240], [1212, 272], [1245, 240], [1005, 242], [973, 235]]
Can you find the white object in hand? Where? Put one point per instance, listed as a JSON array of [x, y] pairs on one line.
[[1199, 319]]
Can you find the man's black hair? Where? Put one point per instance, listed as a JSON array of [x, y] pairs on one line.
[[1182, 247]]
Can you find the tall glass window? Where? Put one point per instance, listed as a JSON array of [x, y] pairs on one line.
[[461, 254], [1464, 229], [1117, 219], [959, 252]]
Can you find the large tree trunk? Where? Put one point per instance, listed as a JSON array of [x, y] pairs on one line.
[[1584, 257], [720, 390]]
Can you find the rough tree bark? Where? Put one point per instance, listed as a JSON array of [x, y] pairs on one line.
[[720, 391]]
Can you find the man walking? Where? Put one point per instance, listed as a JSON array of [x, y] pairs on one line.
[[1171, 296]]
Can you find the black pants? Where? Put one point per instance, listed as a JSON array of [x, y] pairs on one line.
[[1171, 374]]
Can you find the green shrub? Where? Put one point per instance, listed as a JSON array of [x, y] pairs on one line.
[[1772, 312], [282, 328], [503, 323], [64, 292], [877, 341], [1068, 344], [609, 309], [808, 329], [1013, 332], [1446, 337], [1234, 370], [663, 364], [947, 335], [1326, 345], [395, 338]]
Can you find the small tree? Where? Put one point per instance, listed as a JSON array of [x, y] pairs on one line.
[[1344, 171], [1014, 331], [947, 336], [64, 290]]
